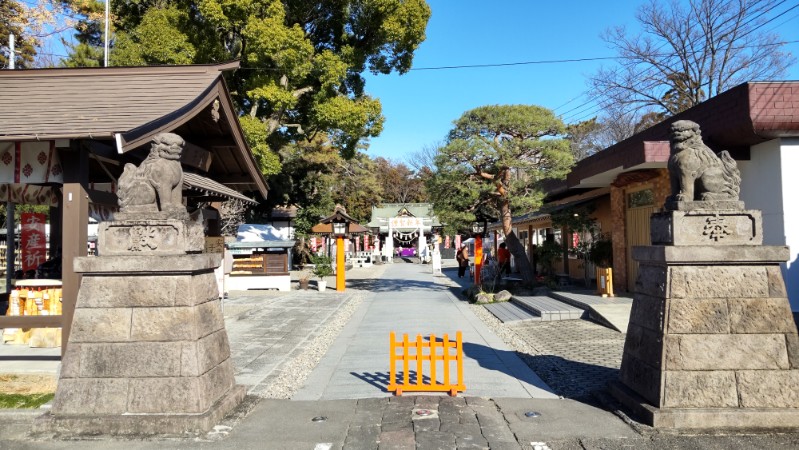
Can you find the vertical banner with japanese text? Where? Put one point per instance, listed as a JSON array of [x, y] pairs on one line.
[[33, 240]]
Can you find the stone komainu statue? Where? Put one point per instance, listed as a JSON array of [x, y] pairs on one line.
[[696, 172], [157, 184]]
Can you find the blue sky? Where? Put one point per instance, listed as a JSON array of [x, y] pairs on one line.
[[421, 105]]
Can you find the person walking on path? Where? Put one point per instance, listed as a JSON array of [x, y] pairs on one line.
[[463, 260], [503, 258]]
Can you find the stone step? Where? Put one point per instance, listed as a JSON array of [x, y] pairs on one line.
[[548, 308], [612, 312], [509, 312]]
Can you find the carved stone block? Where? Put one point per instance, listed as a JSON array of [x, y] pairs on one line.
[[147, 237], [130, 360], [792, 341], [165, 395], [164, 324], [651, 280], [692, 316], [701, 389], [101, 325], [776, 285], [209, 318], [648, 312], [642, 344], [641, 377], [132, 291], [761, 315], [725, 352], [769, 388], [201, 356], [717, 281], [702, 227], [80, 396]]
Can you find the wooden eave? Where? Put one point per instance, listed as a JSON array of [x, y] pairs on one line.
[[217, 91], [133, 104]]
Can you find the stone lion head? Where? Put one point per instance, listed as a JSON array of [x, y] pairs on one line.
[[167, 145]]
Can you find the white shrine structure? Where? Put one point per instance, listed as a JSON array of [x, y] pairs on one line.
[[405, 228]]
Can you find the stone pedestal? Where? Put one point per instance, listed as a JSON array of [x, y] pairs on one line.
[[148, 352], [711, 341]]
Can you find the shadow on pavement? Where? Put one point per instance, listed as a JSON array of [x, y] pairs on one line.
[[23, 357], [572, 379], [384, 285], [380, 379], [499, 360]]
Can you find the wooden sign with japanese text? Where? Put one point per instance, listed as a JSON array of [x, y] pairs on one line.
[[33, 240]]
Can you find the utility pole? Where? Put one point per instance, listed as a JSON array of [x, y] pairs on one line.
[[11, 53], [107, 2], [11, 240]]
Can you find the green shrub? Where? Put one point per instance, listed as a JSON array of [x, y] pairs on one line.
[[322, 266]]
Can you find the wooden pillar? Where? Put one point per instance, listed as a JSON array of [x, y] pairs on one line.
[[531, 251], [340, 279], [478, 257], [75, 224], [56, 229]]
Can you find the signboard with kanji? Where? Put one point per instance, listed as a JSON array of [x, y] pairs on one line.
[[215, 244], [33, 240], [405, 222]]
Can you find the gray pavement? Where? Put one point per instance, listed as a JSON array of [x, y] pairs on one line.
[[408, 299]]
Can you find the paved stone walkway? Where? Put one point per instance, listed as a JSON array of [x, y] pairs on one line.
[[268, 330], [575, 358], [409, 299]]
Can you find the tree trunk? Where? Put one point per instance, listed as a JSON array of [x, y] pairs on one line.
[[515, 246]]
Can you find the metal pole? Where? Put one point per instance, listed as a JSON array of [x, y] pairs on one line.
[[11, 54], [107, 3], [10, 245], [10, 235]]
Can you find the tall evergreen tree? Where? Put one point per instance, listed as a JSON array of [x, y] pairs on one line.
[[494, 163], [14, 20]]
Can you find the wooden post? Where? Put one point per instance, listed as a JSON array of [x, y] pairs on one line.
[[340, 264], [478, 257], [75, 209]]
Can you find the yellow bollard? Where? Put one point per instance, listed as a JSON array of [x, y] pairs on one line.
[[604, 281]]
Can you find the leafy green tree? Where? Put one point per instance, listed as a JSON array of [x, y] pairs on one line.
[[494, 162], [306, 178], [301, 61], [88, 49]]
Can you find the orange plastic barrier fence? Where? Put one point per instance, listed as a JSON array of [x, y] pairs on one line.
[[437, 351]]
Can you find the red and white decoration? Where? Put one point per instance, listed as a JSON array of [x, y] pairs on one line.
[[30, 163]]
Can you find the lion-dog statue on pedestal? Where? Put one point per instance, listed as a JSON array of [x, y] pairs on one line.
[[157, 184], [697, 174]]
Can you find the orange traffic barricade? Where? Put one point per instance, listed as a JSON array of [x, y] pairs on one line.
[[430, 355]]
